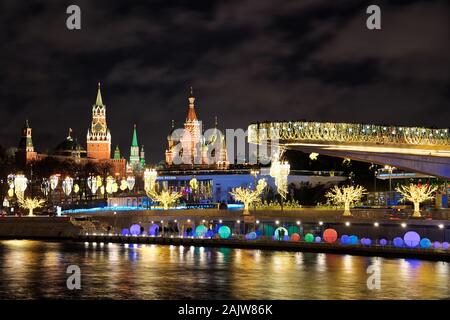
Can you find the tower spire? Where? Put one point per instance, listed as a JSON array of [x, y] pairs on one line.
[[134, 142], [191, 113], [99, 101]]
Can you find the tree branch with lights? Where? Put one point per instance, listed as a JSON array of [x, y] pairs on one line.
[[346, 196], [247, 196], [417, 194], [30, 204]]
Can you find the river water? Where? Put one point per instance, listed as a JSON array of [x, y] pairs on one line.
[[37, 269]]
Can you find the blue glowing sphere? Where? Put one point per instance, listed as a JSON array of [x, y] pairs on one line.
[[398, 242], [125, 232], [367, 242], [286, 238], [251, 236], [201, 231], [345, 239], [224, 232], [383, 242], [411, 239], [445, 245], [153, 230], [135, 229], [317, 239], [425, 243], [437, 245], [353, 240], [209, 234], [362, 240]]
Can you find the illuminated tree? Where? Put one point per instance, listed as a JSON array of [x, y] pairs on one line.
[[30, 204], [248, 196], [346, 195], [280, 172], [166, 198], [416, 194]]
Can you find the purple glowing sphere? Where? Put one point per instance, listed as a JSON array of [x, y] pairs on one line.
[[398, 242], [345, 239], [383, 242], [437, 245], [318, 239], [125, 232], [411, 239], [135, 229], [445, 245]]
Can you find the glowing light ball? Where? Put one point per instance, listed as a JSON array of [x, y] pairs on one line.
[[425, 243], [135, 229], [411, 239], [317, 239], [398, 242], [330, 235], [345, 239], [251, 236], [295, 237], [437, 245], [201, 230], [125, 232], [383, 242], [367, 242], [309, 237], [353, 240], [153, 230], [445, 245], [362, 240], [286, 238], [224, 232], [209, 234]]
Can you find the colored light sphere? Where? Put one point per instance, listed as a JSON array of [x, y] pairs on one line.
[[398, 242], [209, 234], [411, 239], [317, 239], [367, 242], [445, 245], [309, 237], [295, 237], [437, 245], [425, 243], [153, 230], [224, 232], [125, 232], [330, 235], [251, 236], [383, 242], [135, 229], [345, 239], [201, 230], [353, 240]]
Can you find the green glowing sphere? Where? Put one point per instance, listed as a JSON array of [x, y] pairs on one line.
[[201, 230], [309, 237], [224, 232]]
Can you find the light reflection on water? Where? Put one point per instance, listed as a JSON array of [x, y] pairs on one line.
[[37, 269]]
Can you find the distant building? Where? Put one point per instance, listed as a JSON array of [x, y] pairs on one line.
[[190, 150], [25, 151], [98, 136], [137, 157]]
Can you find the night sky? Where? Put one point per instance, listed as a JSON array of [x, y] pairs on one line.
[[248, 60]]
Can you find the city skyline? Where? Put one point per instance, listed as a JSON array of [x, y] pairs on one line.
[[304, 60]]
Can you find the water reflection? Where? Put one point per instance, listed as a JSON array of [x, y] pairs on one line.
[[35, 269]]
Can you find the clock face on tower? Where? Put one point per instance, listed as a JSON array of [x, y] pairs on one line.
[[98, 127]]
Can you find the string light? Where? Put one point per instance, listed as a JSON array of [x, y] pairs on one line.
[[346, 196], [416, 194]]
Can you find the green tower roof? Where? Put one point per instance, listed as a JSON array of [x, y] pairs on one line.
[[134, 143], [117, 153]]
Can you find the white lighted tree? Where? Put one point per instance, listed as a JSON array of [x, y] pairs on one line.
[[247, 196], [280, 172], [30, 204], [166, 198], [417, 194], [346, 196]]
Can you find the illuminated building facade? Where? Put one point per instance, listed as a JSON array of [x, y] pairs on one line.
[[98, 136], [191, 149], [137, 156]]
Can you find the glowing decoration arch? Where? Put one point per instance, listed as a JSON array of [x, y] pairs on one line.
[[278, 231]]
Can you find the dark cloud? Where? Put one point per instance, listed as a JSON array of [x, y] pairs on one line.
[[248, 60]]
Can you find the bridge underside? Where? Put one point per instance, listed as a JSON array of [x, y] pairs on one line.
[[420, 163]]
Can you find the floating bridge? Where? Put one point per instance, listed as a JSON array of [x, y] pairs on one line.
[[417, 149]]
